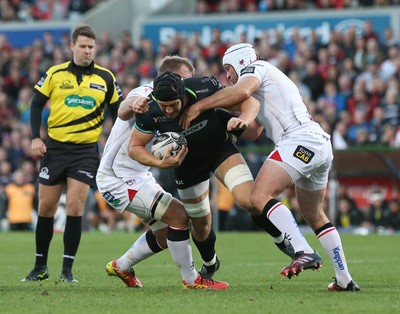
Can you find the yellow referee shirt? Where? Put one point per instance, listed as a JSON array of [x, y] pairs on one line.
[[77, 101]]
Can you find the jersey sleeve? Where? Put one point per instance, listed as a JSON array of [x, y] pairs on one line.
[[43, 86], [202, 87], [141, 91], [144, 123], [115, 96]]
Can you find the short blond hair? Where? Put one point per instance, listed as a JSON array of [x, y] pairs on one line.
[[174, 63]]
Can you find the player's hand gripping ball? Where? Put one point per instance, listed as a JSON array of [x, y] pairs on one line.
[[164, 140]]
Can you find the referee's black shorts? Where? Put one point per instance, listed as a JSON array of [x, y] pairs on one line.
[[62, 160]]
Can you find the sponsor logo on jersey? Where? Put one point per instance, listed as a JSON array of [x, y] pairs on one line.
[[86, 102], [337, 258], [304, 154], [86, 173], [194, 128], [178, 182], [99, 87], [201, 91], [248, 69], [130, 182], [160, 119], [42, 80], [111, 199], [44, 173], [148, 89], [66, 84], [118, 89]]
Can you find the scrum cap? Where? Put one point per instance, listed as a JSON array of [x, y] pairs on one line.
[[240, 56], [168, 86]]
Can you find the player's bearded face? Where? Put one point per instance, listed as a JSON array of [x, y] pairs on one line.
[[171, 108], [231, 74], [83, 50]]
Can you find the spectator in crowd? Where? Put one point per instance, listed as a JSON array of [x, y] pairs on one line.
[[391, 219], [391, 106], [377, 210], [348, 215], [339, 136], [5, 179], [313, 80], [20, 202]]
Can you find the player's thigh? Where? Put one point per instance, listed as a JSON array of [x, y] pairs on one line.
[[235, 174], [271, 180]]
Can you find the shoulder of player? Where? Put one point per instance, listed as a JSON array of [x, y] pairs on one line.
[[103, 72], [202, 85], [259, 66], [141, 91], [59, 67]]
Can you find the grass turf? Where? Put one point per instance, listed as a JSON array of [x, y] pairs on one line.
[[250, 262]]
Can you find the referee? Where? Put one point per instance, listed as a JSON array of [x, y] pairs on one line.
[[77, 92]]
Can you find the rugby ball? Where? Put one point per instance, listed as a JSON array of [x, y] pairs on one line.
[[164, 140]]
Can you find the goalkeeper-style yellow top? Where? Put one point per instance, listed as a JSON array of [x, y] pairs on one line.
[[77, 100]]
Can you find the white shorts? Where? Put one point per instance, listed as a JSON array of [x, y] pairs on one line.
[[307, 157], [135, 194]]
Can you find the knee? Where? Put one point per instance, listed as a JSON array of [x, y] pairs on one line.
[[256, 202], [201, 229]]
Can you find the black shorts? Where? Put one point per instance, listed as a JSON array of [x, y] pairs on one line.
[[194, 171], [62, 160]]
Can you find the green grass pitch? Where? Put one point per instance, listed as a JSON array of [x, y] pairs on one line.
[[250, 262]]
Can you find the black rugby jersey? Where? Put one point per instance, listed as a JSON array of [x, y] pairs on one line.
[[205, 134]]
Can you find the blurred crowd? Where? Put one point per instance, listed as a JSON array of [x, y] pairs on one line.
[[52, 10], [350, 86], [43, 10], [226, 6]]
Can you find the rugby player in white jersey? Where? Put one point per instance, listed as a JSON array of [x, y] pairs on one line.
[[302, 155], [128, 185]]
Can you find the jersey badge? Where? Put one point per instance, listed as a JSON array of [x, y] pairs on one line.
[[44, 173], [99, 87], [42, 80], [304, 154], [249, 69], [118, 89], [111, 199], [66, 84]]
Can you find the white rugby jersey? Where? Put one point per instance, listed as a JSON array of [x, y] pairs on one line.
[[282, 110], [115, 160]]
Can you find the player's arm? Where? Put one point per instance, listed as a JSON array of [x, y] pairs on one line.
[[135, 102], [137, 150], [37, 105], [132, 105], [248, 112], [225, 98], [253, 131]]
